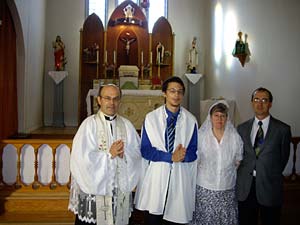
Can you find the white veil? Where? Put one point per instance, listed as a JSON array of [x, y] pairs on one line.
[[231, 138]]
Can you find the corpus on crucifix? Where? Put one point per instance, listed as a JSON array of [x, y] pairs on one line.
[[128, 42]]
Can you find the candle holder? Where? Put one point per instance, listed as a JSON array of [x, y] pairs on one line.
[[105, 69], [142, 72], [114, 73]]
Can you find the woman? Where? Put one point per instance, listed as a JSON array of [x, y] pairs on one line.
[[220, 152]]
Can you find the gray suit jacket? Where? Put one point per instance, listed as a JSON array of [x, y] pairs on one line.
[[269, 164]]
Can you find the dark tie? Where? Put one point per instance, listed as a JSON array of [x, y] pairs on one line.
[[259, 139], [170, 134]]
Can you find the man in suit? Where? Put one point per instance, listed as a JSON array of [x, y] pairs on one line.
[[266, 152]]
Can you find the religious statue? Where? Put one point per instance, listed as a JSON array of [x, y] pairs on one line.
[[160, 53], [239, 45], [59, 54], [193, 58], [127, 42], [128, 12]]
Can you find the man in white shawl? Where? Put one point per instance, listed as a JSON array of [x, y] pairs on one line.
[[105, 164], [166, 191]]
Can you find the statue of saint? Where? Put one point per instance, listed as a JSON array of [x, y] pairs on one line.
[[160, 49], [193, 58], [128, 12], [239, 45], [59, 54]]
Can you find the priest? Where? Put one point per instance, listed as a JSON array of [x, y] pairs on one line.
[[105, 164]]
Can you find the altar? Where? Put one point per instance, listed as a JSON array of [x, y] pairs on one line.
[[126, 53], [135, 104]]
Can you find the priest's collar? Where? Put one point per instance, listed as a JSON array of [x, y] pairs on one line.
[[109, 118]]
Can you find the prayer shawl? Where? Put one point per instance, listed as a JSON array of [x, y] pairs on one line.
[[99, 181], [168, 188]]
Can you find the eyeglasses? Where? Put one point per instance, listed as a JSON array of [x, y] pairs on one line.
[[260, 100], [108, 99], [173, 91]]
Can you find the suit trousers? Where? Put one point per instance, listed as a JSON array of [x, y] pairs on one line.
[[151, 219], [250, 210]]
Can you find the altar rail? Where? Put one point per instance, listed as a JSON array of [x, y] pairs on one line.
[[42, 203], [35, 202]]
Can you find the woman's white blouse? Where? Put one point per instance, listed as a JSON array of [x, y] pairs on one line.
[[217, 161]]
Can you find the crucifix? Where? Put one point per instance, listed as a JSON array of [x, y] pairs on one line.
[[127, 42]]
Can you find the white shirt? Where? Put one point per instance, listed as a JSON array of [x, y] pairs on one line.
[[255, 127]]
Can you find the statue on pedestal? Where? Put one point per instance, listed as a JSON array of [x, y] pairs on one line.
[[59, 54], [193, 58], [160, 53]]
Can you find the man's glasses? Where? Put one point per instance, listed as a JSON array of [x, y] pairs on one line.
[[173, 91], [108, 99], [260, 100]]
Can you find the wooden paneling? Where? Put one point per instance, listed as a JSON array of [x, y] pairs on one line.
[[91, 65], [8, 81]]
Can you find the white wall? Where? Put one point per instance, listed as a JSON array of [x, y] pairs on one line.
[[187, 21], [273, 27], [30, 25], [64, 18]]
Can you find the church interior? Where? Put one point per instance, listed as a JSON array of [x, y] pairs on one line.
[[43, 102]]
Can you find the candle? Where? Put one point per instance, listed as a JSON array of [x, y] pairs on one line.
[[142, 57], [151, 57], [114, 57]]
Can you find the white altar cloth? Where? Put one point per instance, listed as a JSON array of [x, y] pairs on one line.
[[94, 92]]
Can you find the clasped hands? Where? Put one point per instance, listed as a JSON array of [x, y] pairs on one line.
[[179, 154], [117, 149]]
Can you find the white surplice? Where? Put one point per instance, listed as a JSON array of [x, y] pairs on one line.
[[168, 188], [95, 173]]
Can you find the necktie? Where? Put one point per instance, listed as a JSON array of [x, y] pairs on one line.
[[170, 134], [259, 139]]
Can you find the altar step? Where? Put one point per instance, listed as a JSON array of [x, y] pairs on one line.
[[35, 218]]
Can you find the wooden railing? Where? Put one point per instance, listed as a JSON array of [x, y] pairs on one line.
[[36, 144], [37, 202], [294, 176], [37, 197]]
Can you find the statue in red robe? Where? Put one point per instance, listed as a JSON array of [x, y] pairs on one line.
[[59, 54]]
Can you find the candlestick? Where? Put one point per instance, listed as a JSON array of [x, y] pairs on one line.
[[151, 57], [114, 57], [142, 57], [105, 57]]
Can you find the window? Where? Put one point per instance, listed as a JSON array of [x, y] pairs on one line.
[[99, 7], [157, 9], [120, 1]]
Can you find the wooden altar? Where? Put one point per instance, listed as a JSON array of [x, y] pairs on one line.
[[125, 42]]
